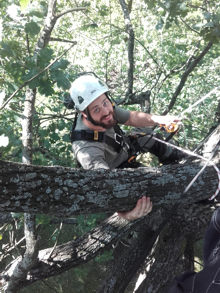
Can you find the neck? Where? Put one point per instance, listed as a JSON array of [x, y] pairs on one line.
[[92, 126]]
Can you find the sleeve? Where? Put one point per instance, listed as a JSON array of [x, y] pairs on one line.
[[90, 157], [212, 237], [121, 115]]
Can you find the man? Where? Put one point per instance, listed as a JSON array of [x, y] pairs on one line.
[[208, 279], [97, 141]]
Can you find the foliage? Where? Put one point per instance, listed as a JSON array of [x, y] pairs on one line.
[[168, 33]]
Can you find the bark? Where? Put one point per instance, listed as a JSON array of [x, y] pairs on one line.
[[172, 254], [19, 270], [166, 258], [65, 192], [54, 261]]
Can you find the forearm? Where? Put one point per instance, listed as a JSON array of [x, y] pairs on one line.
[[139, 119]]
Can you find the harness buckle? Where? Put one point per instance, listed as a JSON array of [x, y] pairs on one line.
[[117, 139], [96, 135]]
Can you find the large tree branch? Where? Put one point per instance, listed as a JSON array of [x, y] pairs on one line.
[[73, 253], [58, 191], [167, 251]]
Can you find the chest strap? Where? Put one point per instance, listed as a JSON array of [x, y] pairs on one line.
[[89, 135]]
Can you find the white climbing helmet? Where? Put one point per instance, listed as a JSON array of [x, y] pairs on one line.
[[85, 90]]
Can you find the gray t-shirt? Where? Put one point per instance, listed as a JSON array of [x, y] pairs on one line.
[[97, 155]]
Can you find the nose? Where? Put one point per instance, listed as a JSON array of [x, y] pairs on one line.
[[105, 111]]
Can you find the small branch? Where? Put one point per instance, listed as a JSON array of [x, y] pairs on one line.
[[52, 250], [189, 27], [49, 286], [27, 82], [28, 46], [70, 10], [155, 61], [11, 248], [185, 76], [197, 7], [62, 40]]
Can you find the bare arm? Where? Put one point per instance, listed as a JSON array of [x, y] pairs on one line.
[[139, 119]]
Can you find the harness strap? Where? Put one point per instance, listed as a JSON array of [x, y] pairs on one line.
[[89, 135]]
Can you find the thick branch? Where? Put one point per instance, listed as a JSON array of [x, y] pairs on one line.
[[63, 191], [73, 253]]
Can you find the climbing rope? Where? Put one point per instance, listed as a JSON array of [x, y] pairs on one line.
[[188, 152]]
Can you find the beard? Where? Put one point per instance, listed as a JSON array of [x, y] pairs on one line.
[[109, 124]]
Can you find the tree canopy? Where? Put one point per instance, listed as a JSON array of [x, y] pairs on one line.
[[158, 56]]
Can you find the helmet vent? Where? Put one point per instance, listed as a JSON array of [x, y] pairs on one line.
[[80, 99]]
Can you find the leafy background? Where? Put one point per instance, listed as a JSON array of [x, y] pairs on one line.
[[167, 34]]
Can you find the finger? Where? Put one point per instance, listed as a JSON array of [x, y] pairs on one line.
[[146, 206], [133, 214]]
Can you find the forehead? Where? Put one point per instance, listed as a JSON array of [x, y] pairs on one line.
[[97, 102]]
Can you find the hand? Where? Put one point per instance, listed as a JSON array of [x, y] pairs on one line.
[[143, 207], [166, 120]]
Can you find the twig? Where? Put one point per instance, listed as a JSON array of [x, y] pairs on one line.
[[188, 26], [49, 286], [52, 250], [70, 10]]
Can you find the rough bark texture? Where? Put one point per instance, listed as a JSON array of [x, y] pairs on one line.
[[166, 258], [65, 192], [173, 252], [55, 261]]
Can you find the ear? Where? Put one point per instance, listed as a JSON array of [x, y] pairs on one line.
[[84, 114]]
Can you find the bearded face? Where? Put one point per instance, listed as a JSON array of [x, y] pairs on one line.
[[101, 113]]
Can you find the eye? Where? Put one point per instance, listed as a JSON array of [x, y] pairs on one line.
[[96, 110], [105, 103]]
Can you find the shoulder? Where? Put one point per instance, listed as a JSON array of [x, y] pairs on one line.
[[122, 115]]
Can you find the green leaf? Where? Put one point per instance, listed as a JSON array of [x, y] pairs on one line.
[[60, 78], [46, 88], [34, 83], [42, 219], [5, 51], [32, 28], [45, 55], [66, 137], [62, 64], [207, 15], [43, 132], [54, 137], [36, 13], [24, 4], [32, 72], [0, 236], [47, 143], [209, 24]]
